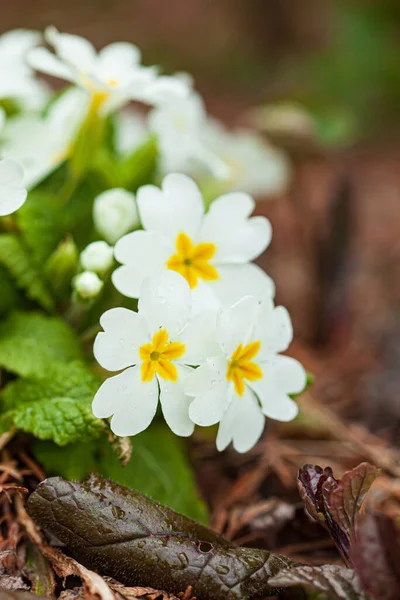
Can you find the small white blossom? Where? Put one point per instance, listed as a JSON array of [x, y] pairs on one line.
[[252, 165], [87, 285], [17, 78], [248, 379], [97, 257], [212, 251], [12, 192], [115, 213], [154, 347], [42, 143], [114, 74], [179, 127]]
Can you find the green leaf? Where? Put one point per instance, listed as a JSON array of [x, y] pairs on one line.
[[158, 468], [139, 168], [123, 534], [56, 406], [42, 222], [22, 268], [9, 297], [30, 342]]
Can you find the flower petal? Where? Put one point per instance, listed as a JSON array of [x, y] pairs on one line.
[[235, 324], [175, 403], [241, 239], [211, 391], [198, 336], [275, 327], [281, 376], [177, 207], [165, 301], [242, 423], [43, 60], [118, 346], [12, 192], [73, 49], [132, 403], [234, 280], [145, 255], [119, 53]]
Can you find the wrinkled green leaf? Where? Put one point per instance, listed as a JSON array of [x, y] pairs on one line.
[[337, 583], [158, 467], [29, 342], [23, 270], [56, 406], [42, 222], [376, 556], [125, 535]]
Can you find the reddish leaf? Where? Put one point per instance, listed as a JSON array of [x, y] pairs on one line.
[[376, 556]]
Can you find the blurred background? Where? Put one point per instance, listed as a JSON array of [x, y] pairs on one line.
[[321, 78]]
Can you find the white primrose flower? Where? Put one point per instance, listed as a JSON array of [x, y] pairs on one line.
[[212, 251], [154, 348], [18, 81], [42, 143], [12, 192], [87, 285], [179, 127], [248, 379], [97, 257], [252, 165], [115, 213], [114, 75], [130, 131]]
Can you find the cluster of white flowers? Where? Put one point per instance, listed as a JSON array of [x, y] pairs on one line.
[[41, 136], [206, 340]]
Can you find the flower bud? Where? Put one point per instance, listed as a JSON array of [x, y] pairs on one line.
[[87, 285], [97, 257], [115, 213], [61, 266]]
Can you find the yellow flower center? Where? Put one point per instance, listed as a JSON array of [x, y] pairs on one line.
[[240, 366], [157, 357], [112, 82], [192, 262]]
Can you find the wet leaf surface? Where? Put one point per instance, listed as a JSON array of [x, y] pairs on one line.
[[123, 534], [335, 582]]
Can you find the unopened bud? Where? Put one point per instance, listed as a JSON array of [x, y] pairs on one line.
[[87, 285], [97, 257], [115, 213]]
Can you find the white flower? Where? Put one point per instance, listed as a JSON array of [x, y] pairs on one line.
[[154, 347], [12, 192], [114, 74], [212, 251], [115, 213], [17, 78], [87, 285], [41, 144], [97, 257], [252, 165], [248, 379], [130, 132], [179, 127]]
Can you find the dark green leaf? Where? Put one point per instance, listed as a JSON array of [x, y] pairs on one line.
[[335, 582], [29, 342], [23, 270], [125, 535], [158, 467]]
